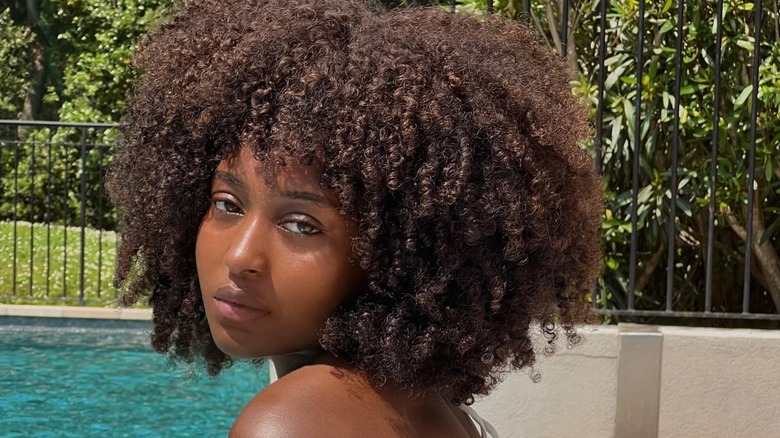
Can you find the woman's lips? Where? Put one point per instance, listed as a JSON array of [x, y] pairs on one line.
[[234, 304], [236, 312]]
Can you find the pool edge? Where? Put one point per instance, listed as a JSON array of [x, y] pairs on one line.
[[75, 312]]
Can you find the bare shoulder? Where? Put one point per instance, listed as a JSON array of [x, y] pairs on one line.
[[317, 400]]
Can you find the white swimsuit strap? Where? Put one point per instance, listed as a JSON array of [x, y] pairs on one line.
[[485, 428]]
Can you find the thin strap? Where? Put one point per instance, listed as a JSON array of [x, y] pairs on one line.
[[485, 428]]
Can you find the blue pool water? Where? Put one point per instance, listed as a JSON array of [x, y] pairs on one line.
[[81, 378]]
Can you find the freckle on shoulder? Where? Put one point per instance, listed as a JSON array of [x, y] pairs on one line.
[[316, 400]]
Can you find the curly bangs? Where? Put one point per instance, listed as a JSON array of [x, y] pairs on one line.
[[452, 140]]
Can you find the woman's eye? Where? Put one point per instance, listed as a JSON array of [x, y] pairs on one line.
[[298, 227], [226, 207]]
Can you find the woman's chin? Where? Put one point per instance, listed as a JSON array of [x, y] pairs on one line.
[[236, 348], [239, 352], [245, 345]]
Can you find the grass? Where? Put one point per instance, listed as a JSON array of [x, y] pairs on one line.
[[51, 274]]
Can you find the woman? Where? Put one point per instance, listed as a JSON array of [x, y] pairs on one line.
[[382, 203]]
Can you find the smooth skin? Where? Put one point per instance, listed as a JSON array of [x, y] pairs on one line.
[[274, 260], [329, 400]]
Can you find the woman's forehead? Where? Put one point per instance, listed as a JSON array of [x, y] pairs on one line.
[[243, 168]]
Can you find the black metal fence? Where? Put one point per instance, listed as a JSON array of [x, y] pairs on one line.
[[687, 213], [745, 108], [56, 224]]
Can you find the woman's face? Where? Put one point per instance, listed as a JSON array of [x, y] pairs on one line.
[[273, 258]]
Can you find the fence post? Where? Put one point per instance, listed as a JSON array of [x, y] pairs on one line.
[[82, 263], [639, 381]]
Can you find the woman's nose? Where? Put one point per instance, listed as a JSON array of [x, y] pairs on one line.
[[247, 255]]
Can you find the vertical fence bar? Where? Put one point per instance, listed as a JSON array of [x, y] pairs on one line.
[[600, 106], [565, 29], [83, 218], [489, 6], [775, 37], [714, 161], [16, 206], [100, 221], [672, 229], [48, 210], [637, 151], [527, 8], [32, 216], [776, 34], [752, 161], [602, 76], [65, 216], [452, 5], [2, 174], [116, 257]]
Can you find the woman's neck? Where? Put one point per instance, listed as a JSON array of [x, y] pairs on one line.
[[287, 363]]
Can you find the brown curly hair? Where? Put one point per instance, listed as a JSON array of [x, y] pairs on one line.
[[451, 139]]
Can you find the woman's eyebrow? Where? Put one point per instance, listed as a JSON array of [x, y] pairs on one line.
[[307, 196], [299, 195], [229, 178]]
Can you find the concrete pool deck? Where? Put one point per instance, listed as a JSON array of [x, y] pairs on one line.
[[75, 312]]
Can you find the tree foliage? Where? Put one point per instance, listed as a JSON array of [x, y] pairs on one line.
[[697, 117], [76, 52], [69, 60], [65, 60]]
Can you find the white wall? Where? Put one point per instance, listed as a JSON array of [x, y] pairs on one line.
[[720, 383], [714, 383]]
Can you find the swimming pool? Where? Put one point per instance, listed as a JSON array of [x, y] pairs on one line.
[[98, 378]]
